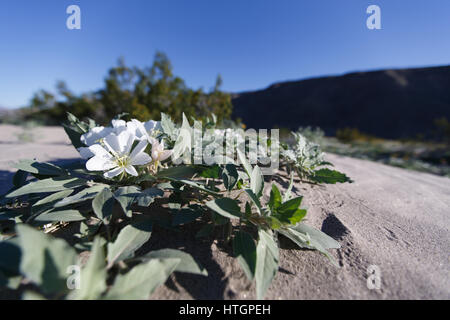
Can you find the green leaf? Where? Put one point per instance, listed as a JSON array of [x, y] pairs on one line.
[[41, 168], [31, 295], [83, 195], [53, 197], [19, 178], [168, 126], [185, 215], [266, 262], [93, 275], [290, 205], [103, 204], [73, 135], [48, 185], [146, 197], [178, 172], [184, 140], [130, 239], [254, 199], [62, 215], [230, 176], [257, 181], [247, 166], [126, 196], [205, 231], [142, 280], [287, 195], [244, 249], [45, 259], [226, 207], [10, 254], [317, 236], [212, 172], [187, 263], [289, 211], [329, 176], [307, 237], [195, 185], [275, 198]]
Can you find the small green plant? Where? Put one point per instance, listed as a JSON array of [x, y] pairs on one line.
[[112, 199], [307, 160]]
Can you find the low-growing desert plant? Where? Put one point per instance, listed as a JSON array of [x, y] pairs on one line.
[[308, 161], [132, 180]]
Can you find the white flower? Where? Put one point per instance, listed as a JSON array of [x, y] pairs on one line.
[[94, 135], [116, 158], [158, 152]]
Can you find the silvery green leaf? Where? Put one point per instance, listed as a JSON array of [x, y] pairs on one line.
[[142, 280], [53, 197], [247, 166], [130, 238], [31, 295], [48, 185], [244, 249], [103, 204], [178, 172], [126, 196], [185, 215], [83, 195], [10, 254], [230, 176], [257, 181], [266, 262], [288, 194], [254, 199], [62, 215], [93, 275], [187, 263], [317, 236], [168, 126], [45, 260], [183, 144], [146, 197], [307, 237], [226, 207], [41, 168], [329, 176]]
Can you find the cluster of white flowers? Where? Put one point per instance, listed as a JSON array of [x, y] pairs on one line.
[[117, 149]]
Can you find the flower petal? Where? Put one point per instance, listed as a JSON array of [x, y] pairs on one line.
[[98, 150], [117, 123], [131, 170], [164, 155], [112, 143], [126, 139], [141, 159], [99, 163], [140, 147], [114, 172]]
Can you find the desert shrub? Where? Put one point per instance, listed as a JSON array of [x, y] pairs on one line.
[[351, 135], [443, 129], [142, 93]]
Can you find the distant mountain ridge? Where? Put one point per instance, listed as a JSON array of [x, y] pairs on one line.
[[392, 103]]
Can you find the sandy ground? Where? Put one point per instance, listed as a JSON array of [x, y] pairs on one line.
[[395, 219]]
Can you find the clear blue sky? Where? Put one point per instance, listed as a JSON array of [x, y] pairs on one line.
[[251, 43]]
